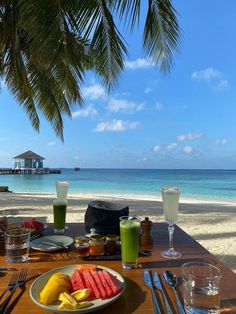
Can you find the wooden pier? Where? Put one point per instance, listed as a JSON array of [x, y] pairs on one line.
[[29, 171]]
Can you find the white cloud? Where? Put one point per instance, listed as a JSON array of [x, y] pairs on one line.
[[123, 105], [171, 146], [223, 84], [148, 90], [52, 143], [85, 112], [188, 137], [213, 76], [94, 92], [207, 74], [139, 63], [188, 149], [221, 141], [116, 126], [158, 106], [156, 148]]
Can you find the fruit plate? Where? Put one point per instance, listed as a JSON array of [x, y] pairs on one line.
[[38, 285]]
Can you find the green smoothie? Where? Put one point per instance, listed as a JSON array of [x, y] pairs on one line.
[[129, 236], [59, 213]]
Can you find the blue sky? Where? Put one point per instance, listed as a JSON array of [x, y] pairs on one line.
[[186, 119]]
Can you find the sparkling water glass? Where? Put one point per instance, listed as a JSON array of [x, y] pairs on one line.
[[170, 197], [17, 243], [201, 288]]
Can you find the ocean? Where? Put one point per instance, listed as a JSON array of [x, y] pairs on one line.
[[210, 185]]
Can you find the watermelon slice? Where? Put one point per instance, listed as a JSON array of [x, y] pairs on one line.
[[99, 284], [112, 281], [90, 282], [105, 284], [77, 280]]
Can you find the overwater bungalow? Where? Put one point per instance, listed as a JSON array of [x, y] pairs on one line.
[[28, 163]]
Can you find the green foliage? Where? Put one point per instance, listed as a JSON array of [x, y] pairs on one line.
[[47, 46]]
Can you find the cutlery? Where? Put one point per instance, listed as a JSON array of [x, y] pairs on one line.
[[20, 282], [171, 280], [54, 244], [158, 285], [11, 284], [148, 282]]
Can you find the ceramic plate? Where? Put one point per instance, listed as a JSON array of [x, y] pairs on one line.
[[51, 243], [40, 282]]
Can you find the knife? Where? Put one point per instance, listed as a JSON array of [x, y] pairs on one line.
[[158, 285], [148, 282]]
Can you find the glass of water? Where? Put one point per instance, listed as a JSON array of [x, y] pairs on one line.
[[17, 243], [170, 198], [201, 288]]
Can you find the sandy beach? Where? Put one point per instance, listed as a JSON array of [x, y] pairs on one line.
[[213, 225]]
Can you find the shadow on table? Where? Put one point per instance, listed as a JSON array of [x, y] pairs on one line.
[[126, 303]]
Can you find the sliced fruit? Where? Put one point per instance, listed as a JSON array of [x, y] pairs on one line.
[[105, 284], [90, 281], [99, 284], [56, 284], [68, 299], [81, 295], [112, 281], [87, 267]]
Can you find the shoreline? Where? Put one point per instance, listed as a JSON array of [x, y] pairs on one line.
[[144, 197], [212, 224]]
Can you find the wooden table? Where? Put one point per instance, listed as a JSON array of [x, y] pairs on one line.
[[136, 297]]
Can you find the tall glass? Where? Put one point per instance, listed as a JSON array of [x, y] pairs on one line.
[[129, 236], [62, 190], [170, 197], [59, 215]]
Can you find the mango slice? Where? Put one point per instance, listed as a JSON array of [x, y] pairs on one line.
[[56, 284], [68, 299], [81, 295]]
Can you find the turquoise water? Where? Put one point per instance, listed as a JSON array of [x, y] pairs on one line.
[[212, 185]]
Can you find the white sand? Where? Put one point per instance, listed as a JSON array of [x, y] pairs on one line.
[[211, 224]]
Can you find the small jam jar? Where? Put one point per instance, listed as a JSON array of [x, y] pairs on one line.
[[82, 246], [96, 245], [112, 245]]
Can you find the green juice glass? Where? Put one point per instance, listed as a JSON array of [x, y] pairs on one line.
[[59, 214], [129, 236]]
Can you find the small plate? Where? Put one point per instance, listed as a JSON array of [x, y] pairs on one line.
[[38, 285], [59, 242]]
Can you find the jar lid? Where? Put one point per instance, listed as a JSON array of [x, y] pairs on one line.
[[97, 237], [111, 237], [81, 239]]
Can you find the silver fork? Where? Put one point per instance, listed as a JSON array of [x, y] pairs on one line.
[[11, 284], [20, 282]]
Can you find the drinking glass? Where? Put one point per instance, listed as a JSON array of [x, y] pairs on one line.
[[129, 236], [17, 242], [201, 288], [62, 190], [59, 215], [170, 197]]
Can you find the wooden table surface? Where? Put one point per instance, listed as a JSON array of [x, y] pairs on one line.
[[136, 297]]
